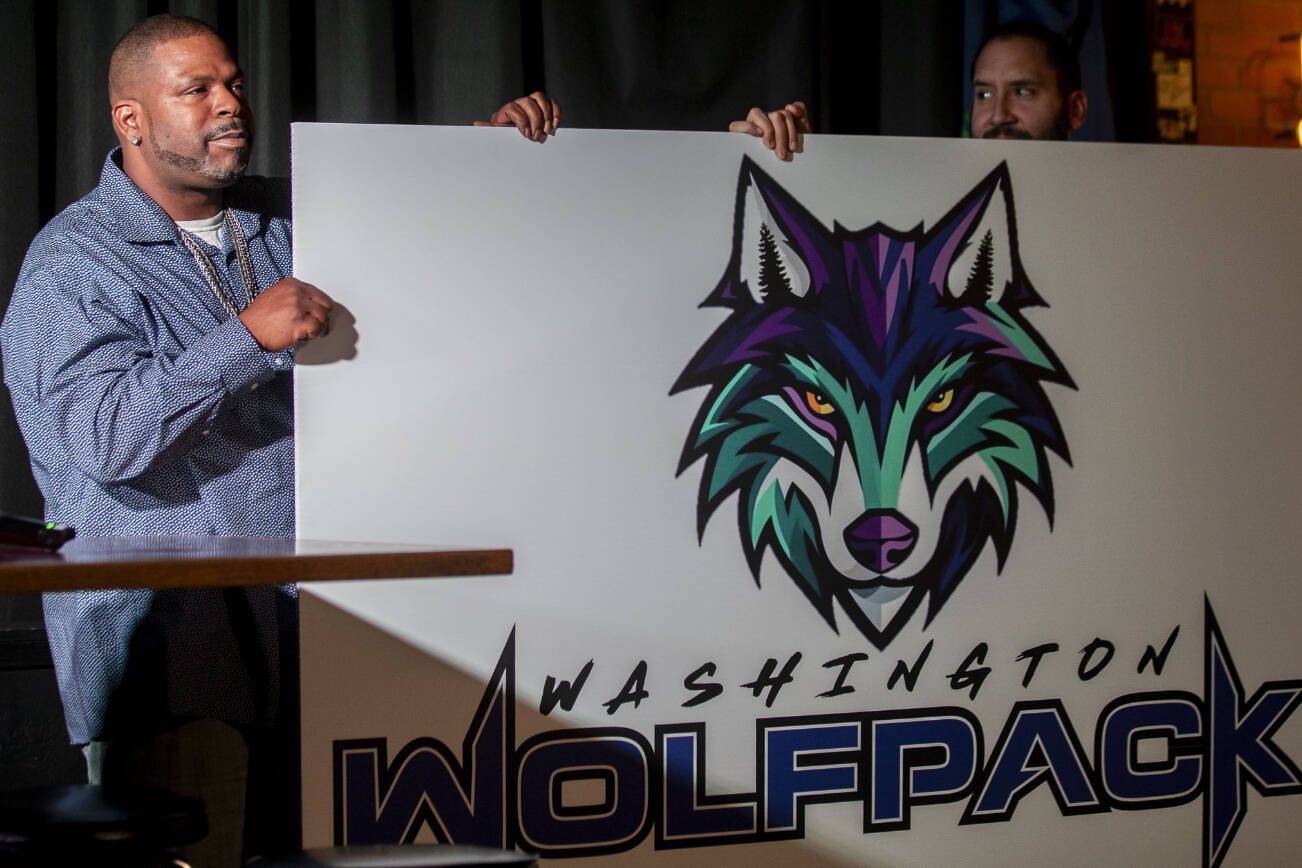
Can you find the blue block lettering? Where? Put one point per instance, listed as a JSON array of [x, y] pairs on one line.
[[792, 776], [1038, 745], [917, 760], [1132, 784], [690, 817], [615, 759]]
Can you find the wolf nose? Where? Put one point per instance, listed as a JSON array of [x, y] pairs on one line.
[[881, 539]]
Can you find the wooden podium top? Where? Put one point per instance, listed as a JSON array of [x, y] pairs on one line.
[[215, 561]]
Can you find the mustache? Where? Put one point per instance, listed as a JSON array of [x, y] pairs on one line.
[[232, 126], [1006, 130]]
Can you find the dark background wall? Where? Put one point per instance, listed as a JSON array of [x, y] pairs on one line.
[[895, 67]]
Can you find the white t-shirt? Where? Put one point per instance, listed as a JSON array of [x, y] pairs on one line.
[[209, 229]]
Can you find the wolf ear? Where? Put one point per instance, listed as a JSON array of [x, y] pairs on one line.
[[767, 262], [975, 247]]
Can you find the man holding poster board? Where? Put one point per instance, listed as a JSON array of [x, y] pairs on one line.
[[1026, 84], [148, 351]]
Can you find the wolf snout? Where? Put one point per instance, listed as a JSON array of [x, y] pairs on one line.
[[881, 539]]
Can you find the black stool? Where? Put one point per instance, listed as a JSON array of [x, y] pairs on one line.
[[88, 825], [398, 856]]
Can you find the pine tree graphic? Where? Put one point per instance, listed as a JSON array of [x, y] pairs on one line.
[[773, 274], [982, 276]]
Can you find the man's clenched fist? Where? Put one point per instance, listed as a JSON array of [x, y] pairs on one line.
[[286, 313]]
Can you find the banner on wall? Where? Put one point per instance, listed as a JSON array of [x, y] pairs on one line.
[[914, 501]]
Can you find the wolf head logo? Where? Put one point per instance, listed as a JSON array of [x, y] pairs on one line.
[[876, 398]]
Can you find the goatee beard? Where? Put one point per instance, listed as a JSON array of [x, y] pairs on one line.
[[202, 166]]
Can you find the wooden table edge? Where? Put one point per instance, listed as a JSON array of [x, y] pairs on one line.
[[221, 572]]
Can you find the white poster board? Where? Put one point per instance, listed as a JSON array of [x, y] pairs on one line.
[[880, 413]]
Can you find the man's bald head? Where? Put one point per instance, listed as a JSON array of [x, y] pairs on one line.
[[135, 50]]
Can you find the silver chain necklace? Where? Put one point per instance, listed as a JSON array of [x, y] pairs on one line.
[[210, 271]]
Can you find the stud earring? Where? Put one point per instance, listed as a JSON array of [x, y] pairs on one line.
[[135, 140]]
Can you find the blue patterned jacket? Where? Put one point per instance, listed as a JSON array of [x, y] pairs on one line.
[[147, 409]]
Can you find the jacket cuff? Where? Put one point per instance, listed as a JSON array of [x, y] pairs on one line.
[[237, 358]]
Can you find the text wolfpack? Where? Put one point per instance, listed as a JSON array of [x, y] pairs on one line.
[[497, 793]]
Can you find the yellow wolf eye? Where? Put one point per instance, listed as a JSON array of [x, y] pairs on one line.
[[941, 402], [819, 404]]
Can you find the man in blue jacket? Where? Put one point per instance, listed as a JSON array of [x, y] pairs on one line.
[[148, 350]]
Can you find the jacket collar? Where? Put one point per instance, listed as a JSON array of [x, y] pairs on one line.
[[141, 218]]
